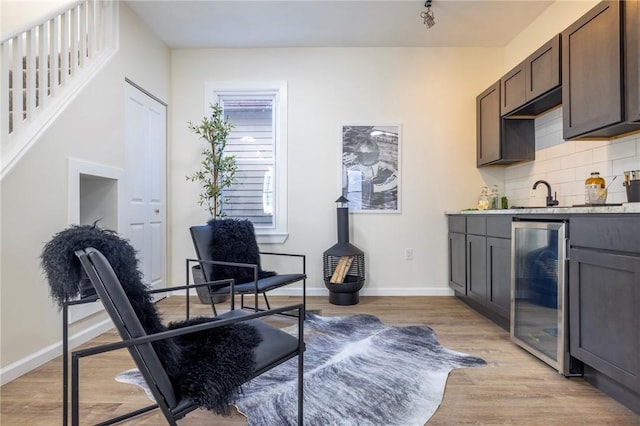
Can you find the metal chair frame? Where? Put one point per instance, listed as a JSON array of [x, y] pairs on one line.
[[256, 290], [171, 415]]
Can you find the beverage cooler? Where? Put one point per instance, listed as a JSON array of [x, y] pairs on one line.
[[539, 300]]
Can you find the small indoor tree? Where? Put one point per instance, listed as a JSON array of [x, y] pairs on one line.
[[218, 170]]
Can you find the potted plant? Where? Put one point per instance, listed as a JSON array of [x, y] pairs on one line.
[[218, 170], [216, 173]]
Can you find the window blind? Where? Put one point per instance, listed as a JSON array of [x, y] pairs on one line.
[[252, 142]]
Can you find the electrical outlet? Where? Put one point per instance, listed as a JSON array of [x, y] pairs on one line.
[[408, 254]]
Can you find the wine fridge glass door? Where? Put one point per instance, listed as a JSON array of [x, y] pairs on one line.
[[538, 290]]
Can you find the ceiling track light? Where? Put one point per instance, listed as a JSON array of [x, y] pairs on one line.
[[427, 15]]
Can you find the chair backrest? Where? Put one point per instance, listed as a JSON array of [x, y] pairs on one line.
[[228, 240], [119, 308], [201, 236]]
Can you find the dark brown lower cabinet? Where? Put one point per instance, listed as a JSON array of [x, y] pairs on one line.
[[499, 275], [477, 267], [604, 289], [457, 262], [604, 300], [480, 263], [489, 267]]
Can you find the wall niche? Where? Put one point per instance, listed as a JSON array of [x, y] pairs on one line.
[[95, 193]]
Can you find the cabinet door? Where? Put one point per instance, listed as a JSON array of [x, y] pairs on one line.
[[512, 90], [499, 226], [533, 87], [542, 69], [604, 295], [457, 262], [477, 267], [592, 71], [632, 40], [488, 125], [606, 232], [499, 275]]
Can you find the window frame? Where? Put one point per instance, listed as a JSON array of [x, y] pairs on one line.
[[278, 233]]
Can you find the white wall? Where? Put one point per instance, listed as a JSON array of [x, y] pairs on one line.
[[430, 92], [16, 13], [34, 194], [552, 21]]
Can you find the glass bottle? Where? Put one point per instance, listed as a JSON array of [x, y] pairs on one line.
[[592, 183], [483, 199], [505, 202], [494, 198]]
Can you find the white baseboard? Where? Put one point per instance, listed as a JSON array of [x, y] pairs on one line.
[[35, 360], [390, 292], [316, 291], [409, 291]]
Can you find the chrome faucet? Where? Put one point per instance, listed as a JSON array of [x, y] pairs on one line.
[[551, 201]]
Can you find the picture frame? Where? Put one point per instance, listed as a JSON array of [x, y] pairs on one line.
[[371, 167]]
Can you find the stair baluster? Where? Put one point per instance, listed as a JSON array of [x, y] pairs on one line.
[[44, 64]]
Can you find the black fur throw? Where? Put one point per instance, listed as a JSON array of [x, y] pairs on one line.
[[220, 361], [62, 267], [206, 367], [235, 241]]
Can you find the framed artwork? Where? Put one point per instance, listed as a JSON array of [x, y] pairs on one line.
[[371, 167]]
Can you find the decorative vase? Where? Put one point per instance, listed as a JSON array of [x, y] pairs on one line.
[[203, 292]]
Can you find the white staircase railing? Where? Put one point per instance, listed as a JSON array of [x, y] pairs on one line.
[[45, 64]]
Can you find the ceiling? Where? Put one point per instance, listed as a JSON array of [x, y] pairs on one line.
[[327, 23]]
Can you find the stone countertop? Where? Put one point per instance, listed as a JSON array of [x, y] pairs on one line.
[[624, 208]]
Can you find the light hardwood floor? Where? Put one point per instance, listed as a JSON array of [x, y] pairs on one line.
[[513, 389]]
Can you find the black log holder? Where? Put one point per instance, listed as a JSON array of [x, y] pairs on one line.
[[343, 263]]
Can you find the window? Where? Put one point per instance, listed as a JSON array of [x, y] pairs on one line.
[[258, 141]]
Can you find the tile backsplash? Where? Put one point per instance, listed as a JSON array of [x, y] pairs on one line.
[[566, 165]]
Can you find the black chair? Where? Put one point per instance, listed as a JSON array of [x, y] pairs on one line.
[[211, 263], [276, 346]]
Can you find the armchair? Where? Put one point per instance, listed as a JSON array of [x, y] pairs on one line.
[[200, 362], [227, 248]]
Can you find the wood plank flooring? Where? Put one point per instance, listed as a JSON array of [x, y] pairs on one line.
[[515, 388]]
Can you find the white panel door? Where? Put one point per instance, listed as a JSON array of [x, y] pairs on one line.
[[145, 177]]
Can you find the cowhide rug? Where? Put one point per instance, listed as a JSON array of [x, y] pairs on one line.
[[357, 371]]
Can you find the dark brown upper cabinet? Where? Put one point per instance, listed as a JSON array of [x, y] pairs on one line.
[[533, 87], [593, 78], [501, 141], [632, 46], [488, 125], [513, 93]]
